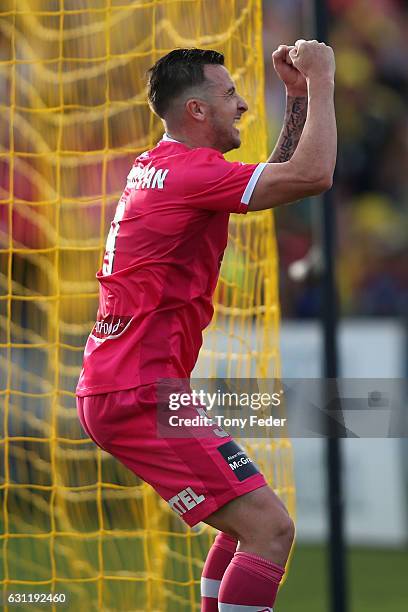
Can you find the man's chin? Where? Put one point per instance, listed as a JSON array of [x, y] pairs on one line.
[[237, 137], [234, 143]]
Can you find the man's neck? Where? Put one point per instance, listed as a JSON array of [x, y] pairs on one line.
[[193, 141]]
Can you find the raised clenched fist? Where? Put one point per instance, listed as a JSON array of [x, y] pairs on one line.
[[294, 80], [313, 59]]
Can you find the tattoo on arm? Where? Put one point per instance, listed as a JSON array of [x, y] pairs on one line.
[[295, 117]]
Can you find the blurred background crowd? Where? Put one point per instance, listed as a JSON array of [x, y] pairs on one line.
[[371, 183]]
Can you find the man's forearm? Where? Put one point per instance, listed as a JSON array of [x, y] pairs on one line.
[[295, 117], [315, 155]]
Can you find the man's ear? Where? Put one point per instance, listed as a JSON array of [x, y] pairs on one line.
[[196, 108]]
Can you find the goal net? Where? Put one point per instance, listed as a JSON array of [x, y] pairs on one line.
[[73, 117]]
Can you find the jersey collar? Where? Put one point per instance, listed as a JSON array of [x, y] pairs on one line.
[[168, 138]]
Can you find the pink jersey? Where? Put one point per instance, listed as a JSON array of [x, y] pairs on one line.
[[161, 265]]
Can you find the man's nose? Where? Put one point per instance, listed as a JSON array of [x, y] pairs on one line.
[[242, 105]]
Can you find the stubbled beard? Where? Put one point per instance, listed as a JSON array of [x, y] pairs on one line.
[[225, 140]]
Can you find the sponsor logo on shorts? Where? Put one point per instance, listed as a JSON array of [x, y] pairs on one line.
[[110, 327], [238, 461], [185, 500]]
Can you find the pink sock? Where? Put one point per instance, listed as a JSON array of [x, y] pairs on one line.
[[218, 559], [249, 583]]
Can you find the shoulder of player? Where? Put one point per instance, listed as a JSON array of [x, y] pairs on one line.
[[203, 155], [178, 151], [209, 155]]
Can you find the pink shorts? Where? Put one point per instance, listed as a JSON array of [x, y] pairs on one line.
[[195, 475]]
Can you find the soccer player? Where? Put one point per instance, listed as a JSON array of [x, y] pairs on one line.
[[158, 276]]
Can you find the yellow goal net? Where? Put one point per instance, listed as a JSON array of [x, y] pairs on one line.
[[73, 116]]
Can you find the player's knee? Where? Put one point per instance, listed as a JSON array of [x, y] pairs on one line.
[[284, 529], [272, 530], [277, 526]]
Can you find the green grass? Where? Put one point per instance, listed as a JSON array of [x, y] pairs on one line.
[[377, 581]]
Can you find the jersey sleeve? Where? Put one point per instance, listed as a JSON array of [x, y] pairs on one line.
[[213, 183]]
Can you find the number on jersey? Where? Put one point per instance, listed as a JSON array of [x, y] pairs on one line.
[[110, 248]]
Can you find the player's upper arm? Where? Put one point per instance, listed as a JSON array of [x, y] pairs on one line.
[[281, 184]]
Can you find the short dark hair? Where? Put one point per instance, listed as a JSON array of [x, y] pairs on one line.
[[175, 72]]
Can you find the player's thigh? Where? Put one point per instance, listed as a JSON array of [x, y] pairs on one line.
[[251, 515]]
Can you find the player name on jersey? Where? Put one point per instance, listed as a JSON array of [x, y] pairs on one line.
[[146, 177]]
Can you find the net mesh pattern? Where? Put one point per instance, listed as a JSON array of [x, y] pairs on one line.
[[73, 116]]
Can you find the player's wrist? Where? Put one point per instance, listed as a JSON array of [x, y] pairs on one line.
[[296, 92], [325, 81]]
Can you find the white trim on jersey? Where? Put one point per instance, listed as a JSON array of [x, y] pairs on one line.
[[246, 196], [210, 587], [223, 607], [168, 138]]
